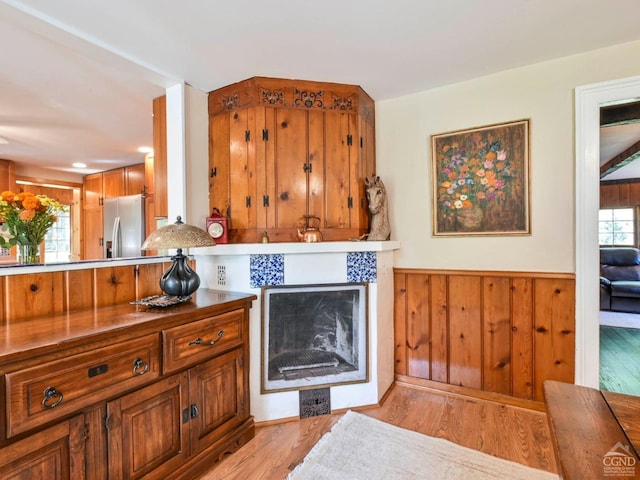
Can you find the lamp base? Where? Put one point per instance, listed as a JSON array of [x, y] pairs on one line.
[[179, 280]]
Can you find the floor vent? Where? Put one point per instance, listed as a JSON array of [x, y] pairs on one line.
[[315, 402]]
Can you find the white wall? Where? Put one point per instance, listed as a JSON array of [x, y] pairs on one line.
[[542, 92]]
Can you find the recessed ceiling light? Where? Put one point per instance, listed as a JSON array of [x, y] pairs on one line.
[[79, 165], [145, 150]]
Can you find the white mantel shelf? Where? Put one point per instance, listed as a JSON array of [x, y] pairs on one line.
[[295, 248]]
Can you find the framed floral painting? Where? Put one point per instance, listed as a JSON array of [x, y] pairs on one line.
[[481, 180]]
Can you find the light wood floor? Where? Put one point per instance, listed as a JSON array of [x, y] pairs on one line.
[[620, 360], [507, 431]]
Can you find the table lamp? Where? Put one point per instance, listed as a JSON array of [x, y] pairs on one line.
[[179, 280]]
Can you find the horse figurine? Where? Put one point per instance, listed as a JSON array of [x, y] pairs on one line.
[[380, 229]]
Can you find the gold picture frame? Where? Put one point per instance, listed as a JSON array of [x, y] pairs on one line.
[[481, 180]]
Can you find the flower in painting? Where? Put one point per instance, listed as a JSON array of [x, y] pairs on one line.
[[472, 171]]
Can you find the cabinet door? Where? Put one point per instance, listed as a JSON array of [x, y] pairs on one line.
[[92, 190], [57, 453], [113, 183], [232, 161], [134, 179], [92, 236], [291, 166], [160, 156], [218, 398], [146, 433], [341, 175]]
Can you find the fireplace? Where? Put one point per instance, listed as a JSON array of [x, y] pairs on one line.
[[313, 335]]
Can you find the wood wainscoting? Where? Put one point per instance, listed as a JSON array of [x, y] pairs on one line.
[[502, 332]]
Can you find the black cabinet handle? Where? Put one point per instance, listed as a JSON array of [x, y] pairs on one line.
[[52, 398], [199, 341], [140, 367]]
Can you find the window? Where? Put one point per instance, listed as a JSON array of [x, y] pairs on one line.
[[57, 241], [616, 227]]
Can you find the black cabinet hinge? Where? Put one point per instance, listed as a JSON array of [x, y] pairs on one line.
[[350, 202], [265, 200], [349, 139], [214, 172], [307, 168], [361, 142], [248, 202], [265, 134], [247, 135]]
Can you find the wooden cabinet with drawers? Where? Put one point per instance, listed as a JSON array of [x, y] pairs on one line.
[[126, 391]]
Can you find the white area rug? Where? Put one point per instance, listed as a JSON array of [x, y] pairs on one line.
[[619, 319], [363, 448]]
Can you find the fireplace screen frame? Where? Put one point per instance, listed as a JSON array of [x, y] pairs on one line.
[[358, 374]]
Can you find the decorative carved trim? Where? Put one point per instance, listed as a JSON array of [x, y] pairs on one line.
[[273, 97], [229, 102], [308, 99], [342, 103]]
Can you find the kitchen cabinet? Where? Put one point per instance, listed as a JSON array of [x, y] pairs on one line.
[[283, 150], [128, 392], [160, 157], [134, 179], [96, 188]]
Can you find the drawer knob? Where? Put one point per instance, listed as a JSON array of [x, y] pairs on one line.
[[52, 398], [140, 367], [199, 341]]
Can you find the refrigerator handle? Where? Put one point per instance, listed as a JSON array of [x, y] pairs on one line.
[[116, 253]]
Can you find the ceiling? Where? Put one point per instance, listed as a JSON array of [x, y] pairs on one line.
[[77, 77]]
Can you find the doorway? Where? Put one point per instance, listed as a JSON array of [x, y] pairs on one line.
[[588, 100]]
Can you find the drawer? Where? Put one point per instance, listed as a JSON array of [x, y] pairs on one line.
[[200, 340], [45, 392]]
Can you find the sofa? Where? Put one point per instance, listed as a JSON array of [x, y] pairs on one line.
[[620, 279]]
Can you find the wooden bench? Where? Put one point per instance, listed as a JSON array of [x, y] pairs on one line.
[[596, 434]]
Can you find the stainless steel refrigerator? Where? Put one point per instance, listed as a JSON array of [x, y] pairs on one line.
[[124, 228]]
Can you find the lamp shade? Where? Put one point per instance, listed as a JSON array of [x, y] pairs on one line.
[[178, 235], [179, 280]]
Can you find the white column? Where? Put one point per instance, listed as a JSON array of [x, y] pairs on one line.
[[187, 154]]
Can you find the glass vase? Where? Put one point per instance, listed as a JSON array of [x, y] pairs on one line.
[[28, 254]]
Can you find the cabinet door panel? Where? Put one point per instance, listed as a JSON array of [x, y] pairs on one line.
[[219, 176], [92, 238], [114, 183], [338, 172], [56, 453], [146, 433], [291, 157], [216, 388], [316, 160], [241, 170], [93, 190], [134, 179]]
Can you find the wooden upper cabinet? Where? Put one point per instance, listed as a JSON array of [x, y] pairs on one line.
[[134, 177], [160, 157], [282, 150], [93, 190], [113, 182], [7, 176]]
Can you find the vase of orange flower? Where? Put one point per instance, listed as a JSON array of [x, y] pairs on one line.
[[28, 218]]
